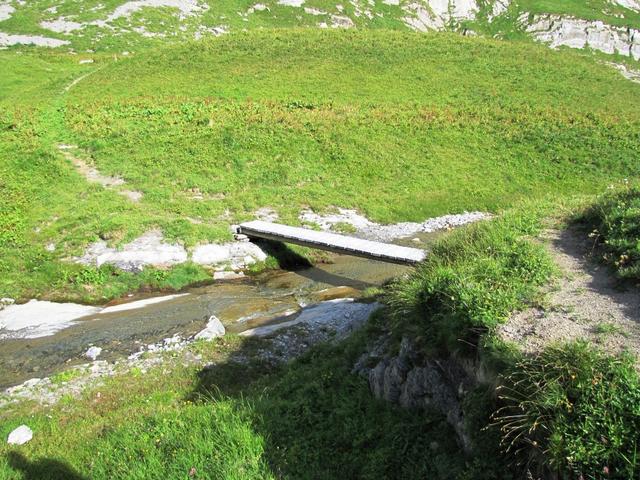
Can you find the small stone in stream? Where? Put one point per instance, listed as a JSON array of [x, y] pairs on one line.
[[93, 352], [227, 275], [20, 435], [214, 329]]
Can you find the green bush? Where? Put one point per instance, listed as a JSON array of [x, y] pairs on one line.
[[616, 226], [573, 410]]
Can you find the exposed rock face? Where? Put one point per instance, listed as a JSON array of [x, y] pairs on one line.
[[237, 254], [630, 4], [413, 382], [149, 249], [628, 73], [573, 32], [438, 14]]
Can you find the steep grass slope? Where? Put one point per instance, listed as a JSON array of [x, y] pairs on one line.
[[431, 123]]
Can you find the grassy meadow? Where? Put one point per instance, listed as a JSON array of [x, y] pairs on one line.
[[433, 124]]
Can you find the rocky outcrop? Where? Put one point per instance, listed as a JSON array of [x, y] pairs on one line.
[[572, 32], [626, 72], [412, 381], [438, 14]]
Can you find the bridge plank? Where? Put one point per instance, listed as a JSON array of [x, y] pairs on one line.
[[333, 242]]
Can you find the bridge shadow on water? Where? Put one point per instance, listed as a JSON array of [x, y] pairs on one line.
[[290, 260]]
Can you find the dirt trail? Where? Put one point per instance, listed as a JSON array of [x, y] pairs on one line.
[[587, 302], [94, 176]]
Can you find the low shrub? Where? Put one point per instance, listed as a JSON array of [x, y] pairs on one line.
[[574, 411], [615, 220]]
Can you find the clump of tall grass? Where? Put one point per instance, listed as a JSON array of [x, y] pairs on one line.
[[572, 411]]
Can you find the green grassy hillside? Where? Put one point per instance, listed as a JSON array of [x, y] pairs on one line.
[[432, 124]]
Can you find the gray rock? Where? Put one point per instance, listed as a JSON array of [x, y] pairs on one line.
[[410, 382], [149, 249], [213, 330], [93, 352], [227, 275], [20, 435], [236, 254]]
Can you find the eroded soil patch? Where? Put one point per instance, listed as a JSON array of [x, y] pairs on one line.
[[586, 303]]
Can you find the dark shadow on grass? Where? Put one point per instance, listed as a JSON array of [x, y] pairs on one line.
[[43, 469], [320, 421]]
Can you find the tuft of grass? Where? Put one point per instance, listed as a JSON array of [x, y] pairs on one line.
[[604, 328], [66, 375], [572, 411], [344, 227]]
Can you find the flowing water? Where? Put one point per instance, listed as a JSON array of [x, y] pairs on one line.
[[240, 304]]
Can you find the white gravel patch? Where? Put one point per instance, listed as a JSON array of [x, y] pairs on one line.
[[62, 25], [383, 233], [36, 318], [291, 3], [187, 7], [8, 40], [341, 315]]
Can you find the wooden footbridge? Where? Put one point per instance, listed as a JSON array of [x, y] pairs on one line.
[[332, 242]]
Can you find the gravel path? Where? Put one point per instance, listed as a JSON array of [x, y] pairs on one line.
[[587, 302]]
